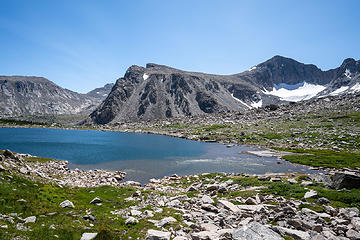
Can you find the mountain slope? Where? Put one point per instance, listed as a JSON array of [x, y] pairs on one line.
[[158, 91], [21, 95]]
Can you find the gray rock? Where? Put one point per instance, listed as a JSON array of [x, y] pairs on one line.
[[296, 234], [306, 183], [251, 201], [349, 213], [67, 203], [157, 235], [323, 200], [204, 235], [228, 205], [88, 236], [321, 178], [209, 208], [207, 200], [292, 181], [165, 221], [96, 200], [181, 238], [311, 194], [209, 227], [264, 178], [135, 213], [174, 203], [131, 221], [191, 189], [24, 170], [89, 217], [353, 235], [255, 231], [31, 219], [212, 187], [356, 223]]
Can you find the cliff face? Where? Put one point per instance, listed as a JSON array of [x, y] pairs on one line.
[[21, 95]]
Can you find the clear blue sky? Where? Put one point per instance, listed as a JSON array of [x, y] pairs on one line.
[[81, 45]]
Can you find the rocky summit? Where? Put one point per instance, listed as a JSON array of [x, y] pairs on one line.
[[157, 91], [22, 95]]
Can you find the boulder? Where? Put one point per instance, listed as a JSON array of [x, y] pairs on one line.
[[264, 178], [323, 200], [67, 203], [157, 235], [24, 170], [209, 227], [8, 154], [228, 205], [212, 187], [96, 200], [353, 235], [296, 234], [89, 217], [206, 199], [255, 231], [204, 235], [31, 219], [165, 221], [349, 213], [131, 221], [311, 194], [345, 180], [210, 208], [88, 236]]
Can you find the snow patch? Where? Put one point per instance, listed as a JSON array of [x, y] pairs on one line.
[[257, 104], [232, 95], [145, 76], [253, 68], [303, 91], [97, 92], [347, 73], [339, 90], [355, 88]]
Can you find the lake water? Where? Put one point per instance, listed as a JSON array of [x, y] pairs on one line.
[[141, 156]]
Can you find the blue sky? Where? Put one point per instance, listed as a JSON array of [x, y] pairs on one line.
[[81, 45]]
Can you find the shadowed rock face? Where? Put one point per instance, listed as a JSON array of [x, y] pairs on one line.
[[21, 95], [158, 91]]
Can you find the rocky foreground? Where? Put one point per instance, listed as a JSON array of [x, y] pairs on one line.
[[198, 207], [57, 171]]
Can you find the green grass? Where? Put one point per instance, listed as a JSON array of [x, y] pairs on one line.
[[42, 199], [215, 127], [38, 159], [286, 190], [323, 158]]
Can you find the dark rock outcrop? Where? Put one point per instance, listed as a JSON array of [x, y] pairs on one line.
[[344, 180]]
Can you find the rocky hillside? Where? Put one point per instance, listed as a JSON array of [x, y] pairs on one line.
[[158, 91], [44, 199], [22, 95]]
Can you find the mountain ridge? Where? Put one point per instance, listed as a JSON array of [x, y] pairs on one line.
[[31, 95], [159, 91]]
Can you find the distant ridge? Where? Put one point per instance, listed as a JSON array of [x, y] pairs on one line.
[[28, 95]]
